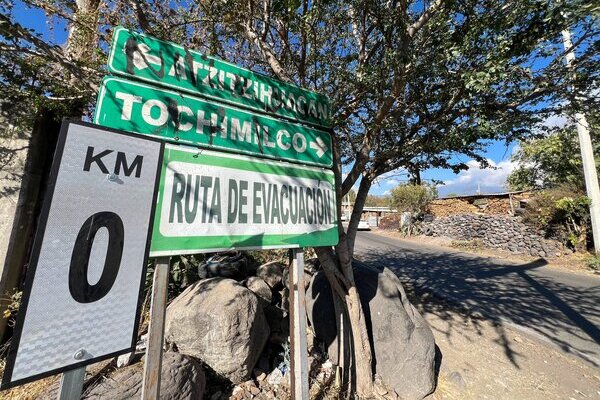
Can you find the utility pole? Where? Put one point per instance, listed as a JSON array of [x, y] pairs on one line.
[[587, 152]]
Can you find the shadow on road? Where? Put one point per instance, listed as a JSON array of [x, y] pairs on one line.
[[503, 292]]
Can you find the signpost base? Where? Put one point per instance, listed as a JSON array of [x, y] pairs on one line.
[[298, 344], [71, 384], [156, 330]]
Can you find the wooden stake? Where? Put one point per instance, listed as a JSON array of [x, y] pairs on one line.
[[299, 347], [156, 330]]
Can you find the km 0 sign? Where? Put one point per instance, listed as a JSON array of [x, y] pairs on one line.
[[211, 201], [141, 108], [85, 278], [167, 64]]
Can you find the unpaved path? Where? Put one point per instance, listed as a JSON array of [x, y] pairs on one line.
[[483, 360]]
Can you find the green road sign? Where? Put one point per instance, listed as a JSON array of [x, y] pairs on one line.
[[137, 107], [210, 201], [168, 64]]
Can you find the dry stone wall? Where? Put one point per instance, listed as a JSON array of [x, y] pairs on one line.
[[496, 231]]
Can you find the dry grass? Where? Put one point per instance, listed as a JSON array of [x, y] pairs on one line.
[[29, 391]]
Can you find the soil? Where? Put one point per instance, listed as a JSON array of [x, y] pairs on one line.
[[481, 360]]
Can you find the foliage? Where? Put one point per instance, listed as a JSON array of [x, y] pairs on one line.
[[550, 161], [183, 271], [377, 201], [265, 256], [593, 263], [13, 303], [562, 212], [412, 198], [350, 196]]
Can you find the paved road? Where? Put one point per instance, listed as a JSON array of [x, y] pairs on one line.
[[561, 307]]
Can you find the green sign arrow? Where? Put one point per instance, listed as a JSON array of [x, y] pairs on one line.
[[211, 201], [175, 117], [167, 64]]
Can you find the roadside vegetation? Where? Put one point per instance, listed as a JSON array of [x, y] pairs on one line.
[[551, 164]]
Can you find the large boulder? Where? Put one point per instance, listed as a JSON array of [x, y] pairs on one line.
[[181, 378], [260, 288], [402, 340], [220, 322], [271, 273]]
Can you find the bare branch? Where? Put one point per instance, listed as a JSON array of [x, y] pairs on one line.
[[142, 18], [52, 53], [370, 136], [267, 53], [426, 16]]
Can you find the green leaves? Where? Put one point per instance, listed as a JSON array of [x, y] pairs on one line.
[[412, 198], [549, 161]]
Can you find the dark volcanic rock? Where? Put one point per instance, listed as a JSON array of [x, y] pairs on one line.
[[403, 343], [220, 322], [181, 378]]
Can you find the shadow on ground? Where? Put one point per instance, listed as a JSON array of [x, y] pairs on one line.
[[565, 315]]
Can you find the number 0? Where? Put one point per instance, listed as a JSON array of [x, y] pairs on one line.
[[80, 288]]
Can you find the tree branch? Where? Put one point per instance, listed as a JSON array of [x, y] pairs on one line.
[[426, 16], [267, 52], [52, 53], [141, 16]]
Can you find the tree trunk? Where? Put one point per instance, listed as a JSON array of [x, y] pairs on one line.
[[342, 261], [83, 33]]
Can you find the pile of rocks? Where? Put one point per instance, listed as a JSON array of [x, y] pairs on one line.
[[502, 232], [227, 337]]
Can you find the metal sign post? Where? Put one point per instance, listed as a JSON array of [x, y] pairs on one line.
[[156, 330], [71, 384], [298, 344]]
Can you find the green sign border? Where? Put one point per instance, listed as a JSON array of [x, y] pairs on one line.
[[164, 246], [325, 161], [219, 94]]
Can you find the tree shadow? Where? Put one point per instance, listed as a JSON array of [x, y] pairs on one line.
[[10, 174], [561, 308]]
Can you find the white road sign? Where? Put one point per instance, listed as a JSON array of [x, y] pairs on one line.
[[85, 280]]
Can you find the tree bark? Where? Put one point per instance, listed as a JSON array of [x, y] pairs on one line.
[[342, 261]]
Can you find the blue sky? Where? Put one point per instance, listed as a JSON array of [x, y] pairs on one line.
[[489, 180]]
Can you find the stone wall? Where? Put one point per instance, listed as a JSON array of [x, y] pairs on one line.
[[496, 231]]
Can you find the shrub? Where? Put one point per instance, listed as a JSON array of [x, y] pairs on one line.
[[412, 198], [563, 213], [593, 263]]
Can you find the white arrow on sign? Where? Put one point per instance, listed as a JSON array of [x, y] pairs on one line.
[[320, 146], [142, 57]]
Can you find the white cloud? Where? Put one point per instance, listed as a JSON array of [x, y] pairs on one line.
[[490, 180], [555, 121]]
